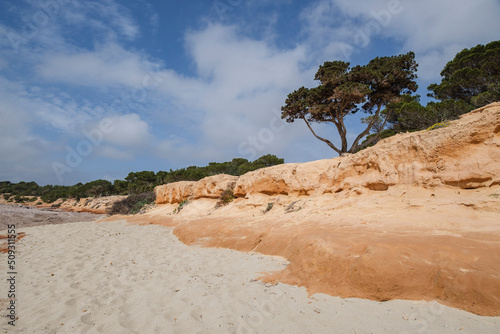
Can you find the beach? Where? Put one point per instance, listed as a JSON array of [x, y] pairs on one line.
[[113, 277]]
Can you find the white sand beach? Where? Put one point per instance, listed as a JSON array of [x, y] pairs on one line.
[[110, 277]]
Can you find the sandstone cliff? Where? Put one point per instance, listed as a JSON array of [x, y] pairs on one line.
[[414, 217], [209, 187], [465, 155]]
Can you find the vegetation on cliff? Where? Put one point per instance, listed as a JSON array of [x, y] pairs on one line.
[[471, 80], [132, 204], [473, 76]]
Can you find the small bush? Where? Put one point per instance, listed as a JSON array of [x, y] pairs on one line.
[[269, 207], [132, 204], [293, 207], [226, 197], [49, 198], [20, 199], [494, 195], [181, 206]]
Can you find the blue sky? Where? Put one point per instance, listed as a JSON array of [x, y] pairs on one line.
[[96, 89]]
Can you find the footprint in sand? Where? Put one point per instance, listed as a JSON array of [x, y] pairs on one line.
[[73, 301], [88, 318], [196, 314]]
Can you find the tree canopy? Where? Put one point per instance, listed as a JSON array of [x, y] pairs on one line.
[[408, 114], [473, 76], [344, 91], [470, 80]]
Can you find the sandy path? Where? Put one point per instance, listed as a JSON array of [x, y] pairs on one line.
[[111, 277]]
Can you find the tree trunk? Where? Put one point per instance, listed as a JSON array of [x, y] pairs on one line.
[[329, 143], [354, 146]]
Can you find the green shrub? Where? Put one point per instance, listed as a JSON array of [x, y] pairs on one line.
[[139, 205], [269, 207], [181, 206], [49, 198], [20, 199], [226, 197], [132, 204]]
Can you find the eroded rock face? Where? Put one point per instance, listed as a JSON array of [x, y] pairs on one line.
[[97, 205], [175, 192], [209, 187], [464, 155], [212, 186]]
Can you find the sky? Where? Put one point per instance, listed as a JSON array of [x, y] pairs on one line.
[[97, 89]]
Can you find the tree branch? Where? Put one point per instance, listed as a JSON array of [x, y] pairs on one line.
[[374, 138], [367, 130], [329, 143], [340, 128]]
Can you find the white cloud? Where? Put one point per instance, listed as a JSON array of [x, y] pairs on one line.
[[241, 68], [226, 58], [24, 154], [105, 16], [429, 25], [128, 131], [109, 65], [43, 25], [240, 82], [114, 153], [435, 30], [431, 63]]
